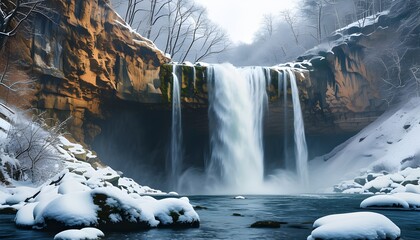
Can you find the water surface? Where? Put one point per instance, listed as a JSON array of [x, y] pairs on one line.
[[218, 222]]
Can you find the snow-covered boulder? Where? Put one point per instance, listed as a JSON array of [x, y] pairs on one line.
[[384, 201], [360, 225], [61, 206], [82, 234], [402, 201]]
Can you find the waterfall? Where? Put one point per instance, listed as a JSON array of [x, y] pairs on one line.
[[301, 149], [285, 122], [237, 102], [176, 130]]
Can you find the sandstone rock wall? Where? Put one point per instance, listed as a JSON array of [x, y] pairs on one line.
[[83, 56]]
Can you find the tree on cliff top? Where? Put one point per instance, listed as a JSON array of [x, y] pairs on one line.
[[179, 27]]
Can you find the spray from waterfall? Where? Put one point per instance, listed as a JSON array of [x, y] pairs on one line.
[[176, 131], [237, 101]]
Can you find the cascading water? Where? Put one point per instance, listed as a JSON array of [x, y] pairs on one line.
[[176, 131], [285, 122], [237, 106], [237, 100], [301, 149]]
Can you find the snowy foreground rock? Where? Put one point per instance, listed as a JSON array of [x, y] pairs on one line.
[[85, 197], [82, 234], [360, 225]]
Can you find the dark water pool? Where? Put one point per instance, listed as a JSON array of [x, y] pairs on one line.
[[218, 222]]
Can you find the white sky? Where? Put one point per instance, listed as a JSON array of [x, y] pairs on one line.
[[242, 18]]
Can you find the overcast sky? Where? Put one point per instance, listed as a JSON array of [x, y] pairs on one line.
[[242, 18]]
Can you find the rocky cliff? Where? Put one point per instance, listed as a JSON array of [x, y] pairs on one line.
[[83, 56], [365, 67]]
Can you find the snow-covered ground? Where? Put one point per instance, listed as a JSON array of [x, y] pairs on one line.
[[383, 157], [81, 195]]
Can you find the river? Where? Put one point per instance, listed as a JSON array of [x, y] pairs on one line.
[[217, 220]]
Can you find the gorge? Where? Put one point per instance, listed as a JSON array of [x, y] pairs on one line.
[[125, 112], [333, 116]]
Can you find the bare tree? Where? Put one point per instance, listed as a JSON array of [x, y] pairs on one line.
[[268, 24], [363, 9], [215, 41], [33, 142], [291, 20], [415, 71], [391, 71], [179, 27], [315, 10], [133, 8], [13, 13], [14, 86]]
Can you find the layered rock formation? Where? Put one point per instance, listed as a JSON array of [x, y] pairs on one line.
[[83, 56]]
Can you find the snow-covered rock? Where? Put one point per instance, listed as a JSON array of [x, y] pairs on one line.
[[112, 209], [71, 201], [82, 234], [360, 225], [25, 216], [384, 201], [403, 200]]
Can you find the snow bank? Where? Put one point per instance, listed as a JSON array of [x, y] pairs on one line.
[[360, 225], [82, 234], [385, 148]]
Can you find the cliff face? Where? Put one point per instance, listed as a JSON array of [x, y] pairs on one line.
[[84, 56], [363, 69]]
